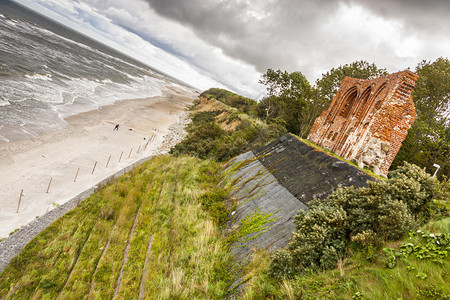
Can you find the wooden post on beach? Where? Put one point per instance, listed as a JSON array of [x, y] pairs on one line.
[[146, 144], [20, 198], [120, 156], [138, 149], [50, 182], [130, 153], [94, 167], [76, 175], [108, 161]]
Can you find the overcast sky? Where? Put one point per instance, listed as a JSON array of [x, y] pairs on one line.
[[210, 43]]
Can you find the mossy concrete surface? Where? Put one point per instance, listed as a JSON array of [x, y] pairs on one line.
[[257, 190], [276, 181], [307, 172]]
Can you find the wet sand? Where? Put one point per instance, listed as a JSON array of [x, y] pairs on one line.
[[88, 138]]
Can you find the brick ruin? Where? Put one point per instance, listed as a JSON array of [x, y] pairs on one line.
[[368, 120]]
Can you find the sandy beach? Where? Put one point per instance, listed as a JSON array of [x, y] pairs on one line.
[[52, 160]]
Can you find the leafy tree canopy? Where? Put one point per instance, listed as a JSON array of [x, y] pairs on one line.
[[288, 95], [428, 140], [432, 91], [328, 85], [292, 102]]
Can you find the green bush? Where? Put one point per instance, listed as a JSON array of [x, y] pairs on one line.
[[413, 185], [206, 139], [385, 210], [282, 264], [202, 135], [213, 202], [246, 105]]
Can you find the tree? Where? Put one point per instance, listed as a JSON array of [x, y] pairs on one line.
[[330, 82], [288, 95], [428, 140], [326, 88], [293, 103]]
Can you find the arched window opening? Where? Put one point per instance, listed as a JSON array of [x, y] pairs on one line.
[[364, 101], [377, 94], [348, 103], [370, 103]]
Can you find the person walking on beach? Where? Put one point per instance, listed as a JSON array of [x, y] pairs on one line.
[[116, 127]]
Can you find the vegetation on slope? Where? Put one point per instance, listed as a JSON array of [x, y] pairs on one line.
[[294, 103], [412, 268], [147, 233], [353, 245], [243, 104], [336, 235], [155, 232], [207, 138]]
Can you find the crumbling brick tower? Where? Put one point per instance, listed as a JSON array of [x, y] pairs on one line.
[[368, 120]]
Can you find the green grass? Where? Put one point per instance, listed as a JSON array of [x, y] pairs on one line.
[[366, 274], [250, 227], [206, 137], [81, 255]]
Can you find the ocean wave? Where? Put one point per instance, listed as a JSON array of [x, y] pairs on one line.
[[104, 81], [4, 102], [2, 138], [11, 22], [47, 77]]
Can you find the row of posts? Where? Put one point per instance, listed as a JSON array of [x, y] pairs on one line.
[[93, 169]]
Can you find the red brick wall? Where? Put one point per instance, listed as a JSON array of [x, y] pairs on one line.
[[368, 119]]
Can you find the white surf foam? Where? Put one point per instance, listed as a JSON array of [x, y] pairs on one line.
[[4, 102], [47, 77]]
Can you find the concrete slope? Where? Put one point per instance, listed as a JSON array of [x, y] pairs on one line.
[[307, 172], [279, 179], [257, 190]]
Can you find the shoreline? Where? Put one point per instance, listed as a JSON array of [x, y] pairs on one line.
[[87, 145], [12, 245]]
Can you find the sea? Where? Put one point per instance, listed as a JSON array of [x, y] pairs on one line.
[[49, 72]]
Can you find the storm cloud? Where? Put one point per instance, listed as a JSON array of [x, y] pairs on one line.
[[232, 42], [295, 34]]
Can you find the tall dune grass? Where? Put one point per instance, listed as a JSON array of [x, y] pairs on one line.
[[80, 256]]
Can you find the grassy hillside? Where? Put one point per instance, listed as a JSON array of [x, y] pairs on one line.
[[146, 234], [243, 104], [220, 132], [390, 240], [158, 232], [416, 267]]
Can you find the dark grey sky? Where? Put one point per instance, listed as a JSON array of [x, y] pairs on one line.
[[211, 42]]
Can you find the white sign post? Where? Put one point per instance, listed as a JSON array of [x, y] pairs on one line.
[[436, 166]]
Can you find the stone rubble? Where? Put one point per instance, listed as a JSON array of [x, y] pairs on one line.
[[176, 134]]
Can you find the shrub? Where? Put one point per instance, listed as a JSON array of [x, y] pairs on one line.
[[413, 185], [213, 202], [385, 210], [206, 139], [281, 264], [319, 238]]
